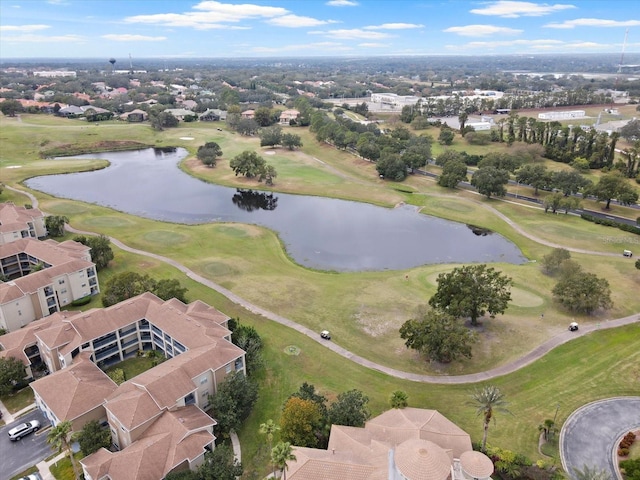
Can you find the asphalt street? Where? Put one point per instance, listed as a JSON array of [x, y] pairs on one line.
[[589, 436], [17, 456]]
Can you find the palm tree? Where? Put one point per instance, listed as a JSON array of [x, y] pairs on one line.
[[399, 399], [486, 401], [269, 428], [281, 454], [588, 473], [59, 438]]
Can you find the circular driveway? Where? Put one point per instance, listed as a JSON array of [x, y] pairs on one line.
[[590, 434]]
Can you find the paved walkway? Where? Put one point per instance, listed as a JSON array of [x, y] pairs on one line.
[[517, 364], [590, 436]]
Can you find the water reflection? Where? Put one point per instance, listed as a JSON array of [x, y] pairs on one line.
[[250, 200], [321, 233]]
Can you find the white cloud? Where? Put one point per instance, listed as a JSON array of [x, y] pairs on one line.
[[23, 28], [373, 45], [209, 15], [593, 22], [482, 30], [132, 38], [511, 9], [342, 3], [546, 45], [28, 38], [394, 26], [296, 21], [351, 34]]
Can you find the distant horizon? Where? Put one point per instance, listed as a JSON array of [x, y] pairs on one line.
[[227, 29]]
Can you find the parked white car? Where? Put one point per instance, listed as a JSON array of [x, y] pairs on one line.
[[24, 429]]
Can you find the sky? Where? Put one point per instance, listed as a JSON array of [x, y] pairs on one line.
[[305, 28]]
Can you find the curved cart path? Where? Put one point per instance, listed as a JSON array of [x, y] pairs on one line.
[[521, 362]]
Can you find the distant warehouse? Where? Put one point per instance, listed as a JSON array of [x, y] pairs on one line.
[[562, 115]]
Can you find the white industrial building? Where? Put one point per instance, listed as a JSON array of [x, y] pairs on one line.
[[562, 115]]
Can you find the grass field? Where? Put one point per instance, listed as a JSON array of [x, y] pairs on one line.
[[363, 310]]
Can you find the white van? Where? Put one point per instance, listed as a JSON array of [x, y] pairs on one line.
[[627, 253]]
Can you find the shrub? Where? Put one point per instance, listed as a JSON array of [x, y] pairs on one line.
[[611, 223], [623, 452], [81, 301]]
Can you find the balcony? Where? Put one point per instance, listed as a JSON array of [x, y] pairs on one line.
[[107, 352], [104, 340]]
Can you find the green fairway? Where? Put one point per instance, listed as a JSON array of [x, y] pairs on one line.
[[363, 310]]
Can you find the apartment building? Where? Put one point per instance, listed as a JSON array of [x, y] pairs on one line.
[[157, 420], [67, 274], [19, 222]]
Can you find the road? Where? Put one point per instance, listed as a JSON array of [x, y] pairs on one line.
[[19, 455], [589, 436]]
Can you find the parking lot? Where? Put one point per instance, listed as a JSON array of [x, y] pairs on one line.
[[22, 454]]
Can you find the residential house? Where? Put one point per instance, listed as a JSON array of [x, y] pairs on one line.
[[180, 113], [189, 104], [136, 115], [287, 116], [20, 222], [213, 115], [399, 444], [68, 274], [248, 114]]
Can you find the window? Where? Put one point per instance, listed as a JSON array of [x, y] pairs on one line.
[[228, 368], [60, 282], [64, 290], [203, 380]]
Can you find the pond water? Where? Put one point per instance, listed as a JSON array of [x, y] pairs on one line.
[[321, 233]]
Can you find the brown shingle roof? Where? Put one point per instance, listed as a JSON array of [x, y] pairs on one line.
[[13, 218], [74, 391], [476, 464], [422, 460]]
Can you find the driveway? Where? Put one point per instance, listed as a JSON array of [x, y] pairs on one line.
[[590, 434], [22, 454]]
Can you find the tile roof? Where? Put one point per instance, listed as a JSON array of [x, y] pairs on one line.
[[14, 218], [76, 390], [176, 436]]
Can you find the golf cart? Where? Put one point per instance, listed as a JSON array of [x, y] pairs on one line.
[[573, 326], [325, 334]]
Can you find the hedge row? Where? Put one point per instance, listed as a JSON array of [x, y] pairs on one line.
[[611, 223]]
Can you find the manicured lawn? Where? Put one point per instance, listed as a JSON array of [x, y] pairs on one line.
[[19, 400], [363, 310], [28, 471], [133, 366], [63, 470]]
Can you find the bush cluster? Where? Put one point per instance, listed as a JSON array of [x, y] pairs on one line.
[[611, 223], [628, 440]]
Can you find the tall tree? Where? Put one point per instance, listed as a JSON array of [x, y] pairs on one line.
[[583, 292], [281, 455], [471, 291], [614, 185], [101, 252], [438, 335], [270, 136], [487, 401], [248, 164], [10, 107], [169, 288], [490, 181], [350, 409], [291, 141], [126, 285], [93, 437], [453, 173], [233, 401], [59, 438], [568, 182], [535, 175]]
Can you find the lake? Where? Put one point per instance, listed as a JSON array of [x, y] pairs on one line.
[[318, 232]]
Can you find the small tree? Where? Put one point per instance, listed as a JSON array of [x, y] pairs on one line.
[[233, 401], [281, 455], [12, 372], [487, 401], [55, 224], [583, 292], [169, 288], [93, 437], [220, 464], [269, 428], [268, 173], [551, 262], [350, 409], [453, 173], [291, 141], [101, 252], [10, 107], [399, 399], [300, 421], [446, 136], [590, 473], [59, 438], [490, 181], [208, 153]]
